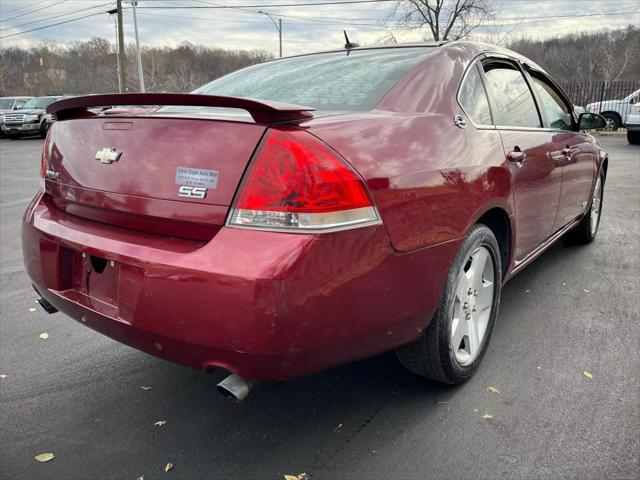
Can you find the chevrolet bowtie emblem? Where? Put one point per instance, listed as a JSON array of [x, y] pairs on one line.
[[108, 155]]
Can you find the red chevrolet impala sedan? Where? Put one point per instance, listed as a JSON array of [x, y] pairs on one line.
[[313, 210]]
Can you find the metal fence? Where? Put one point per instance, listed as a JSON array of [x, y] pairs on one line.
[[613, 99]]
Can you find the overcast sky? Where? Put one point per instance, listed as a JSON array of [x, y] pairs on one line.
[[305, 28]]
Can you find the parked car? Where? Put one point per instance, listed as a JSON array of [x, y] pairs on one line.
[[9, 104], [615, 111], [314, 210], [29, 120], [633, 125]]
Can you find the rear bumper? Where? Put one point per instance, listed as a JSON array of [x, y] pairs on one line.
[[264, 305]]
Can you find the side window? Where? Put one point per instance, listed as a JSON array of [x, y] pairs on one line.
[[558, 114], [19, 104], [473, 98], [513, 103]]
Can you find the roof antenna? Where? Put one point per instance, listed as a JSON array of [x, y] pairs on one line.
[[349, 45]]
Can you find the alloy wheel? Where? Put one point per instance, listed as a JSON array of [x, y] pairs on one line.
[[472, 306], [596, 205]]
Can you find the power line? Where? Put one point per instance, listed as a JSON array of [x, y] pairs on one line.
[[33, 11], [52, 25], [45, 19], [272, 5]]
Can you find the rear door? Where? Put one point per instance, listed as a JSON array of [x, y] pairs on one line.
[[577, 158], [530, 150]]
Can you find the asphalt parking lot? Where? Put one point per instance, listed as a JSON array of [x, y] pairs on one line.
[[78, 394]]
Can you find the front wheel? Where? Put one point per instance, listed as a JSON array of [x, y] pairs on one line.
[[456, 340], [587, 229], [613, 122]]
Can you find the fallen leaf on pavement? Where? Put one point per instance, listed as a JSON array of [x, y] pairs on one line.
[[564, 284], [168, 467], [527, 291], [160, 423], [3, 376], [493, 390], [141, 477], [585, 290], [487, 417], [587, 374], [32, 309], [45, 457], [337, 428], [44, 336], [300, 476], [475, 410], [144, 387]]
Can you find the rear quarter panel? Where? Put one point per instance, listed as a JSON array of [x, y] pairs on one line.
[[430, 179]]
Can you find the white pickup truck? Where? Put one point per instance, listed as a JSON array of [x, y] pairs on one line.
[[615, 111], [632, 123]]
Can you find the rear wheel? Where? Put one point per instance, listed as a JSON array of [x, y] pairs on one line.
[[456, 340], [43, 130], [613, 121], [587, 229], [633, 137]]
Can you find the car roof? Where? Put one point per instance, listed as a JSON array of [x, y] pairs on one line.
[[471, 49]]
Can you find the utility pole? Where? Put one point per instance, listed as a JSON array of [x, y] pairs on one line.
[[280, 34], [278, 27], [135, 27], [115, 24], [122, 60]]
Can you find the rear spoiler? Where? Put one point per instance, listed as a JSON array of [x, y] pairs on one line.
[[262, 111]]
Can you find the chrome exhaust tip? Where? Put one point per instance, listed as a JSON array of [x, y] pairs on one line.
[[234, 388]]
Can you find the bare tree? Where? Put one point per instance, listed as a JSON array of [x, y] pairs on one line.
[[446, 19]]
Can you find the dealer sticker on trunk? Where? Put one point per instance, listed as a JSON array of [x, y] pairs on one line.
[[197, 177]]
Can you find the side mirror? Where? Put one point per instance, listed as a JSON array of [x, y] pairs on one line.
[[589, 121]]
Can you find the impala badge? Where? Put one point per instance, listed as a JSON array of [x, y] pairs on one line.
[[108, 155]]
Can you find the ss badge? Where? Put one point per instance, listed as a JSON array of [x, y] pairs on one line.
[[192, 192]]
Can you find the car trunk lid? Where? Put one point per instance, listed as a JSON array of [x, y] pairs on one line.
[[166, 174]]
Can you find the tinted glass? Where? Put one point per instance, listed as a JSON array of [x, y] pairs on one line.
[[327, 81], [512, 100], [473, 98], [557, 112], [6, 103]]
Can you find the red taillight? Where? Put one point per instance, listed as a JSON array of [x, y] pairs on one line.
[[43, 159], [298, 182]]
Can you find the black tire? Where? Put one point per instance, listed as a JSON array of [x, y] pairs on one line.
[[633, 137], [432, 355], [584, 232], [613, 121], [43, 130]]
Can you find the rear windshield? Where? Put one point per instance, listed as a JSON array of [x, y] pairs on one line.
[[325, 81]]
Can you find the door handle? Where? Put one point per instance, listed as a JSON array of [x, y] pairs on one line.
[[517, 156]]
